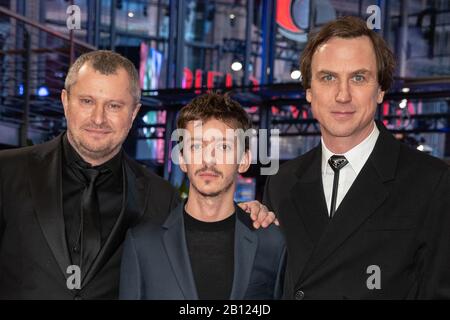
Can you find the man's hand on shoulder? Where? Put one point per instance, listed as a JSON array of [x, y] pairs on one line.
[[259, 213]]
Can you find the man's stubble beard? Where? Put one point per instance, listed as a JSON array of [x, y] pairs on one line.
[[86, 151], [216, 193]]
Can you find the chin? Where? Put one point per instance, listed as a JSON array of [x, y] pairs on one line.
[[100, 142], [342, 133], [97, 151], [209, 191], [340, 130], [88, 139], [95, 147]]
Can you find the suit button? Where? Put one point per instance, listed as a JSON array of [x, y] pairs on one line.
[[299, 295], [76, 249]]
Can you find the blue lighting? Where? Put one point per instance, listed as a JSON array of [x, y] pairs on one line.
[[43, 91], [21, 90]]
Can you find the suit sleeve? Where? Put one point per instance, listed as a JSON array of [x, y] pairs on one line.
[[130, 274], [435, 283], [266, 196], [279, 283]]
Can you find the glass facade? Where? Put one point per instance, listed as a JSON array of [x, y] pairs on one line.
[[212, 44]]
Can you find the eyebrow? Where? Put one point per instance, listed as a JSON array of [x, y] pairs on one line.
[[201, 139], [359, 71], [117, 101], [81, 95], [321, 72]]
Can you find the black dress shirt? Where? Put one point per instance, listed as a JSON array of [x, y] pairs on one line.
[[109, 187]]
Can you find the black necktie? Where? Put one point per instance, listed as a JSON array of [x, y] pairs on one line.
[[336, 163], [90, 232]]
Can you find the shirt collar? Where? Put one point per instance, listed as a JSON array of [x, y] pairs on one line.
[[357, 156], [71, 155]]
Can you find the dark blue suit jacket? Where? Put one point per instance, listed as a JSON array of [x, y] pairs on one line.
[[156, 263]]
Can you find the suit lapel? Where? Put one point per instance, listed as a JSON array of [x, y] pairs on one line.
[[307, 201], [176, 249], [245, 245], [313, 212], [135, 189], [367, 193], [139, 189], [46, 192]]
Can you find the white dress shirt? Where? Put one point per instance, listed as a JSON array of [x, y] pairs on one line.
[[357, 157]]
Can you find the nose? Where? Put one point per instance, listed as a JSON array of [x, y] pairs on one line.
[[98, 114], [343, 95], [209, 155]]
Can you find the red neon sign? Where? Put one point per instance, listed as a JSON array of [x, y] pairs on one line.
[[189, 81]]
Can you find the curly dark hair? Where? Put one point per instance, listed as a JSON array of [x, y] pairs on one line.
[[215, 106]]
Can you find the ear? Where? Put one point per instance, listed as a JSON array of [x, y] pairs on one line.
[[65, 100], [136, 110], [182, 163], [380, 95], [245, 162], [308, 95]]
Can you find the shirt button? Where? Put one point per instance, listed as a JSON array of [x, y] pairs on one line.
[[299, 295], [76, 249]]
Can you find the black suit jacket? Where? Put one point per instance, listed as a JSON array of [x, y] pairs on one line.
[[33, 253], [156, 263], [396, 216]]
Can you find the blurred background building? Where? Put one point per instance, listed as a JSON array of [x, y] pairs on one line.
[[248, 47]]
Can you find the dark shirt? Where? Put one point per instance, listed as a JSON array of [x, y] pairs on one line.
[[109, 188], [211, 251]]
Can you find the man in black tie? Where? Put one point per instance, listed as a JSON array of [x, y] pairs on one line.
[[336, 163], [66, 205], [84, 188], [364, 216]]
